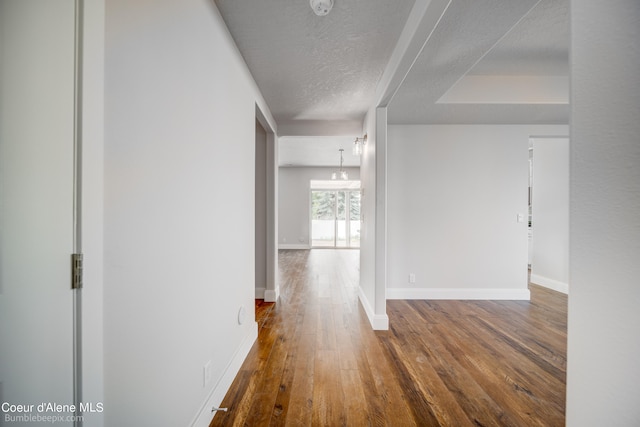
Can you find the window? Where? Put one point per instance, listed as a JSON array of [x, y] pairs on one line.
[[335, 214]]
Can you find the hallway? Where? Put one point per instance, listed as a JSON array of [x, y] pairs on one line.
[[442, 363]]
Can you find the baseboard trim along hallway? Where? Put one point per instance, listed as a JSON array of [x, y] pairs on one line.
[[220, 389], [458, 294], [378, 322], [555, 285]]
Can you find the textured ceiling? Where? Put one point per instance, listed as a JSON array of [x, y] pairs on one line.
[[486, 62], [316, 68]]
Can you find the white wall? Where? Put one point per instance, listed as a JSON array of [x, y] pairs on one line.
[[550, 213], [293, 202], [603, 378], [179, 210], [454, 195]]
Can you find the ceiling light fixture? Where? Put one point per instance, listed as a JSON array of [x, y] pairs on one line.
[[342, 174], [321, 7], [358, 145]]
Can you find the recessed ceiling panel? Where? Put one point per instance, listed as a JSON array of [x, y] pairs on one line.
[[491, 63]]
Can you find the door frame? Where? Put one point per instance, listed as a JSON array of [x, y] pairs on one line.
[[77, 205], [272, 286]]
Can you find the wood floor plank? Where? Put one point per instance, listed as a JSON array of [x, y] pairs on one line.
[[472, 398], [317, 362], [509, 360], [442, 402], [328, 395], [421, 406], [354, 396], [263, 310], [494, 377], [301, 400], [268, 386]]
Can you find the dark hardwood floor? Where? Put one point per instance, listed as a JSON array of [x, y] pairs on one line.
[[442, 363]]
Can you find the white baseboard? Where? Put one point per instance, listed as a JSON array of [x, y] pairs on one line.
[[268, 295], [293, 246], [458, 294], [379, 322], [556, 285], [204, 416], [272, 295]]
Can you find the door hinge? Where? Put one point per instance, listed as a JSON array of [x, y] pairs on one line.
[[76, 271]]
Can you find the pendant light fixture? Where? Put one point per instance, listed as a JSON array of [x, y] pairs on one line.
[[341, 174]]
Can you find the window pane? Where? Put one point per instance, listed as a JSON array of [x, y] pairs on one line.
[[354, 205], [323, 218], [342, 205], [354, 217], [341, 217], [322, 205]]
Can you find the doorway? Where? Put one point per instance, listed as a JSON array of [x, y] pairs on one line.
[[335, 215], [549, 220], [260, 210], [266, 210]]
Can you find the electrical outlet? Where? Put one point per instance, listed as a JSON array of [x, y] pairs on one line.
[[412, 278], [206, 374]]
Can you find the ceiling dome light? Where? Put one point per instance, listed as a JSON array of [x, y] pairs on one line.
[[321, 7]]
